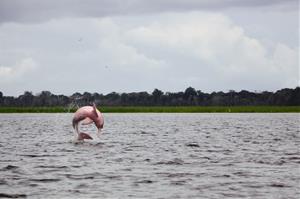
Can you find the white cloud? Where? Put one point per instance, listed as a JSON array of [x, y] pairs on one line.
[[221, 53], [168, 51], [21, 68]]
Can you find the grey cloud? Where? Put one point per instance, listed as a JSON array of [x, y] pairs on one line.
[[37, 10]]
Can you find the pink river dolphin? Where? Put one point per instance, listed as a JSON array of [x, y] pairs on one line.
[[87, 115]]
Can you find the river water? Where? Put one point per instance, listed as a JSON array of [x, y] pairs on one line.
[[152, 156]]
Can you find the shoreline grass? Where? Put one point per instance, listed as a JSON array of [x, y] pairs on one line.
[[161, 109]]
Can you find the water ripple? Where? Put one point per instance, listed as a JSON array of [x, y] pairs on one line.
[[151, 156]]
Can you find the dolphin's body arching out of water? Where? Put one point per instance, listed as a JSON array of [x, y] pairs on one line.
[[87, 115]]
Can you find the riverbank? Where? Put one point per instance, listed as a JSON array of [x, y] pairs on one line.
[[161, 109]]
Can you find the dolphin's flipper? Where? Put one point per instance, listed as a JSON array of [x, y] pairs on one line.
[[87, 121]]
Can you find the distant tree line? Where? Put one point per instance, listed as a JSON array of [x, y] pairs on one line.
[[189, 97]]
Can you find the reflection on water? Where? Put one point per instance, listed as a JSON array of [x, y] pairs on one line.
[[152, 156]]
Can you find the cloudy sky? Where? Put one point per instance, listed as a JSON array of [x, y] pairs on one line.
[[67, 46]]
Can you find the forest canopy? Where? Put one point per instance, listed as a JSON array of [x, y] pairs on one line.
[[189, 97]]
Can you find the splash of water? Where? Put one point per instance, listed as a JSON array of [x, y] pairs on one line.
[[72, 105]]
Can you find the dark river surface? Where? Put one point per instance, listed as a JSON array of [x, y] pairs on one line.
[[152, 156]]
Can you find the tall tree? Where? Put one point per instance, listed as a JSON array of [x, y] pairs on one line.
[[156, 94]]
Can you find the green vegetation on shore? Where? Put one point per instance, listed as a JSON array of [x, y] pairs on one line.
[[161, 109]]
